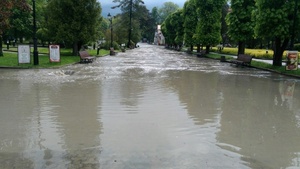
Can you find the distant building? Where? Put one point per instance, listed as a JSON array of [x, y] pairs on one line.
[[159, 38]]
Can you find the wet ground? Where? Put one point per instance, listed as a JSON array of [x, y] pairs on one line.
[[149, 108]]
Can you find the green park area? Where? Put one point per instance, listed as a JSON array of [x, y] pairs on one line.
[[10, 58], [261, 30], [259, 54]]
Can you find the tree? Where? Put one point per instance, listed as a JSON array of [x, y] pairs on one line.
[[20, 25], [6, 7], [209, 24], [74, 22], [277, 21], [169, 32], [155, 15], [177, 21], [129, 6], [167, 9], [190, 19], [147, 23], [241, 27], [224, 27]]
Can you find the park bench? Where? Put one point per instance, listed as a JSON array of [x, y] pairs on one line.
[[202, 53], [243, 60], [85, 57]]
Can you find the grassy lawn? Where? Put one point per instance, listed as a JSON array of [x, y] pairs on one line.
[[10, 59], [261, 65]]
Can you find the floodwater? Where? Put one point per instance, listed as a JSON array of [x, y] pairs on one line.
[[149, 108]]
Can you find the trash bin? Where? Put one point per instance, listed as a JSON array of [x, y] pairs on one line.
[[112, 51], [223, 59]]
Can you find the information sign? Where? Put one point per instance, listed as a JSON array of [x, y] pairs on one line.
[[54, 52], [23, 54]]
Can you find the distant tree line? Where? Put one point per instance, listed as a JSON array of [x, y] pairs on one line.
[[75, 24], [201, 23]]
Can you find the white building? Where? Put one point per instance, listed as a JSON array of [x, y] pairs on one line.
[[159, 38]]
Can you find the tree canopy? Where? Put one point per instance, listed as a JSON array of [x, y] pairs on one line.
[[7, 7], [278, 21], [190, 18], [209, 24], [77, 25], [241, 25], [167, 9]]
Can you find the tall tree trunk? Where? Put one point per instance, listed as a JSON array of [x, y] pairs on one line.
[[278, 51], [1, 50], [241, 47], [75, 49], [207, 49], [198, 48], [192, 48]]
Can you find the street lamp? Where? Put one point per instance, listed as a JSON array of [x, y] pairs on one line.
[[35, 51], [111, 34]]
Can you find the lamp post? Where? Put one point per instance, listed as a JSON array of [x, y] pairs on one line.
[[35, 51], [130, 24], [111, 34]]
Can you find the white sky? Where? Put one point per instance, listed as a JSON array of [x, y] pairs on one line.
[[107, 4]]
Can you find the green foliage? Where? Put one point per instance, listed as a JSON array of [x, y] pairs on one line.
[[74, 22], [21, 24], [297, 46], [139, 16], [277, 21], [168, 31], [167, 9], [209, 25], [176, 21], [240, 21], [106, 45], [190, 19], [273, 20]]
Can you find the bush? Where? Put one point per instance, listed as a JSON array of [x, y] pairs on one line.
[[106, 45], [297, 46]]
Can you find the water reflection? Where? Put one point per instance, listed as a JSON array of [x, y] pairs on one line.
[[149, 108], [262, 129], [49, 126]]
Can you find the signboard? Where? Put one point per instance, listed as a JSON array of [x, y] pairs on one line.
[[23, 54], [292, 60], [54, 52]]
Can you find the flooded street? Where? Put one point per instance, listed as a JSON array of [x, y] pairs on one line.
[[149, 108]]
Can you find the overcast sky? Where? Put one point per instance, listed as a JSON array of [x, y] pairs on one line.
[[107, 4]]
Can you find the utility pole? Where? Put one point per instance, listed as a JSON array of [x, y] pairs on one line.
[[35, 50], [130, 24]]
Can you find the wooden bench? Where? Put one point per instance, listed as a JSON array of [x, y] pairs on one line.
[[85, 57], [202, 53], [242, 59]]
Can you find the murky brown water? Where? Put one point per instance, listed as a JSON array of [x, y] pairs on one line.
[[149, 108]]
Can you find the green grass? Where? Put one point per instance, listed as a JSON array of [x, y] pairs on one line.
[[261, 65], [256, 53], [10, 59]]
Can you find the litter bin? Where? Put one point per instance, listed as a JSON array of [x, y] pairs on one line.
[[223, 59]]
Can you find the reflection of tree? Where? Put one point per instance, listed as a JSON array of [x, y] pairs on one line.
[[265, 133], [286, 89], [197, 93], [132, 88], [13, 125], [80, 125]]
